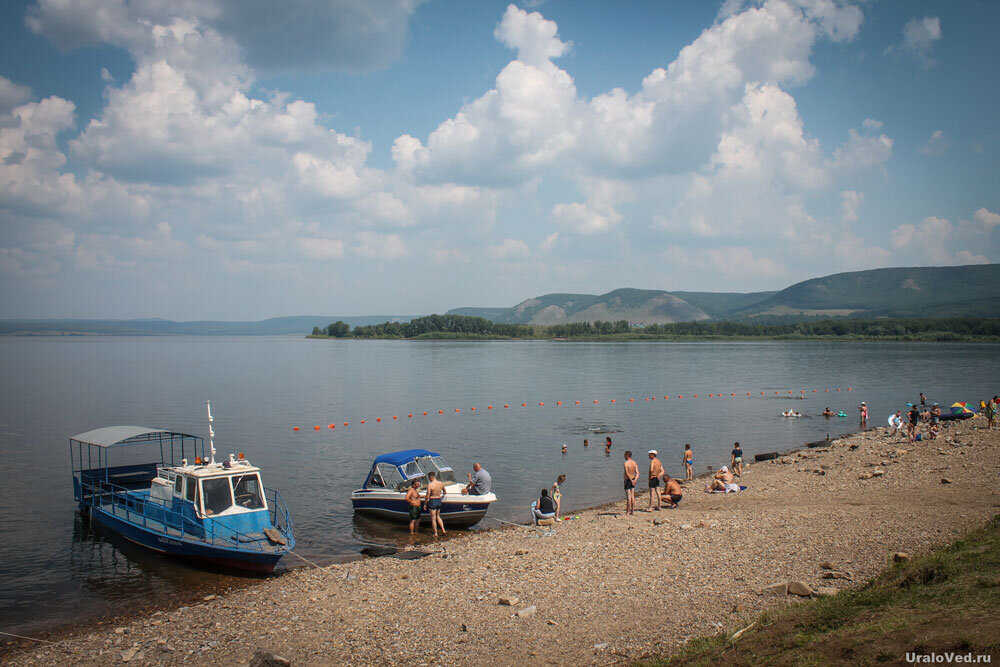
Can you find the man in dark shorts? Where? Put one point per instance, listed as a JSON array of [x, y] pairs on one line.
[[672, 491], [631, 477], [655, 472], [914, 417], [413, 500]]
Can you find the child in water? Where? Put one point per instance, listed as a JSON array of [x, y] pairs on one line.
[[688, 463], [607, 445]]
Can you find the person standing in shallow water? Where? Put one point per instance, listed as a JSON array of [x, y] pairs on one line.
[[607, 445], [413, 500], [631, 478], [433, 499], [688, 463], [737, 460]]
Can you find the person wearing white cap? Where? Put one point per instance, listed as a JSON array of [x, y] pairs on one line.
[[655, 473], [723, 481]]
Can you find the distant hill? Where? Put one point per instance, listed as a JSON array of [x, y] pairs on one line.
[[634, 305], [947, 291], [298, 324]]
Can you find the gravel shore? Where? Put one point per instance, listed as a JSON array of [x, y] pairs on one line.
[[604, 588]]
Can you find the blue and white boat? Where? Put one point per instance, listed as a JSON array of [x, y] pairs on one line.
[[182, 503], [384, 491]]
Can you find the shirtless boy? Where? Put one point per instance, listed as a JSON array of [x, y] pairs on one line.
[[655, 472], [432, 502], [413, 500], [671, 492], [631, 477], [688, 463]]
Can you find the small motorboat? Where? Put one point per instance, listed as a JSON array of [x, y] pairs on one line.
[[214, 513], [384, 491]]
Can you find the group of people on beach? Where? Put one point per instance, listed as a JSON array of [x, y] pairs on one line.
[[671, 493], [479, 484]]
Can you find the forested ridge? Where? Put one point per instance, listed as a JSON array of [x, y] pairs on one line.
[[460, 326]]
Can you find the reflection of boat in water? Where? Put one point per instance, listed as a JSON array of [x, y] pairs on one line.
[[384, 491], [215, 513]]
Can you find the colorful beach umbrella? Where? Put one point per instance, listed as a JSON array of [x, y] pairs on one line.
[[960, 408]]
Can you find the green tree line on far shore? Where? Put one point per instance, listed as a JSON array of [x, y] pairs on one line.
[[460, 326]]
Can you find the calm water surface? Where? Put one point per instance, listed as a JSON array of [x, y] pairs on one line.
[[56, 569]]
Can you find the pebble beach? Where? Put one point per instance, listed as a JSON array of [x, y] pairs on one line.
[[601, 588]]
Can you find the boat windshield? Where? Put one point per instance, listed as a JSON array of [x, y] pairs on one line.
[[385, 476], [218, 495], [247, 490], [439, 466]]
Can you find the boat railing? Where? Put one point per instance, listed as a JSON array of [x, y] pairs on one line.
[[281, 518], [157, 517]]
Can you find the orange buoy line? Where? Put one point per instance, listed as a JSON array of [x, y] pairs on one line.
[[802, 392]]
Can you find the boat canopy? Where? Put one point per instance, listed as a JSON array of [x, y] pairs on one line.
[[403, 457], [120, 436]]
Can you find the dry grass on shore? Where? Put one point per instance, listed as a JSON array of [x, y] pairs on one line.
[[601, 589]]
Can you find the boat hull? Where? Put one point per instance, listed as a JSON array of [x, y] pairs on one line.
[[464, 512], [260, 562]]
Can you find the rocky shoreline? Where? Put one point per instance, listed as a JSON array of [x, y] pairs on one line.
[[600, 589]]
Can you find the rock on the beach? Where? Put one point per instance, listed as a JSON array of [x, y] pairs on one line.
[[825, 591], [827, 565], [508, 600], [527, 611], [836, 575], [129, 654], [262, 658], [878, 473], [521, 552], [800, 588], [945, 480], [900, 556], [778, 589]]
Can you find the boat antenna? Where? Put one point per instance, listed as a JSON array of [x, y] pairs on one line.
[[211, 433]]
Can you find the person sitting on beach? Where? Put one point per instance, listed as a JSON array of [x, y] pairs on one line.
[[671, 491], [896, 422], [723, 481], [557, 493], [737, 459], [932, 431], [828, 412], [479, 482], [688, 463], [544, 508]]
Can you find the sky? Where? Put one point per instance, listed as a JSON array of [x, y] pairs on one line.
[[245, 159]]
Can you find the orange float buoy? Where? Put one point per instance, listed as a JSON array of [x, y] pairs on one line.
[[654, 397], [332, 426], [315, 428], [612, 400], [666, 397], [378, 419], [489, 407], [848, 389], [647, 399], [295, 428], [362, 421], [578, 402], [505, 405], [678, 396], [710, 396], [473, 409], [456, 410], [394, 416], [838, 389], [524, 405], [696, 395], [540, 403], [826, 390], [410, 416], [631, 400], [440, 412], [345, 423], [558, 402], [734, 393]]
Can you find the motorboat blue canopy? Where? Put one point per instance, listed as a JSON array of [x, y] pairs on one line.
[[403, 457]]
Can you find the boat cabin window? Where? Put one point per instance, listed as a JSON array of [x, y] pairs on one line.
[[412, 469], [179, 485], [439, 466], [385, 476], [375, 481], [192, 486], [218, 495], [248, 492]]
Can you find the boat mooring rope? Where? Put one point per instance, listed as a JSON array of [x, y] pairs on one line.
[[32, 639]]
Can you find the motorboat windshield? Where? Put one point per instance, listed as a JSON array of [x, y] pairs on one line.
[[399, 475]]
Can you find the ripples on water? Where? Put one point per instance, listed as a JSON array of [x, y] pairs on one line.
[[56, 569]]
